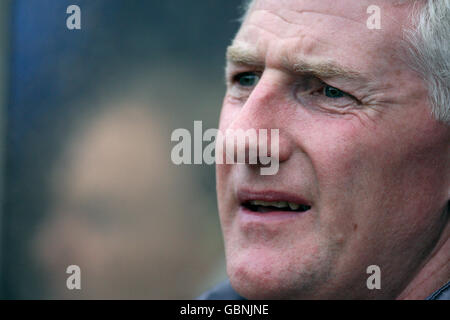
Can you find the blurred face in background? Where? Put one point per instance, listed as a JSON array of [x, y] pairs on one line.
[[359, 150], [119, 213]]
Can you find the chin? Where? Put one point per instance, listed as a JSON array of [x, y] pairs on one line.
[[256, 284], [259, 275]]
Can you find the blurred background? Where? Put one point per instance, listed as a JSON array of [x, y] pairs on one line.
[[85, 123]]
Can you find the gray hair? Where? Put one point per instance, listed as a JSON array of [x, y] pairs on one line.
[[428, 45]]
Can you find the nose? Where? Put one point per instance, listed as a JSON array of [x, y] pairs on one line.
[[262, 114]]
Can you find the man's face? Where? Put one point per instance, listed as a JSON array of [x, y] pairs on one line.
[[357, 145], [110, 217]]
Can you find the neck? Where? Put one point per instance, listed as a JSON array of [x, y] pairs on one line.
[[434, 274]]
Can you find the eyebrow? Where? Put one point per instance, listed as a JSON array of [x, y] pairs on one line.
[[245, 54]]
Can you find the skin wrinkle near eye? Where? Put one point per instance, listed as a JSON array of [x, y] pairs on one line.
[[372, 106], [316, 101], [345, 105], [313, 88], [327, 106], [324, 103]]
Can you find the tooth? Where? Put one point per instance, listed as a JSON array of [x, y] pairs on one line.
[[293, 206], [259, 203], [280, 204], [277, 204]]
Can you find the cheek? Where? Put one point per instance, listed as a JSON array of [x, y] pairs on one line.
[[223, 172], [354, 173], [335, 153], [389, 171], [224, 187], [229, 113]]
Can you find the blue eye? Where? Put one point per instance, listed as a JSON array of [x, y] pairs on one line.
[[334, 93], [247, 79]]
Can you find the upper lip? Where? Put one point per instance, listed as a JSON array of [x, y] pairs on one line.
[[245, 195]]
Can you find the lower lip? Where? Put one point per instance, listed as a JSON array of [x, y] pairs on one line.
[[271, 216]]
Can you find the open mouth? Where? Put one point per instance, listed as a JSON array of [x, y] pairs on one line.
[[270, 206]]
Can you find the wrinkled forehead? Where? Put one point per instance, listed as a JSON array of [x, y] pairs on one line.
[[328, 29], [396, 14]]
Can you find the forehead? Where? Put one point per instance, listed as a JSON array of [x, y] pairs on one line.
[[325, 29]]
